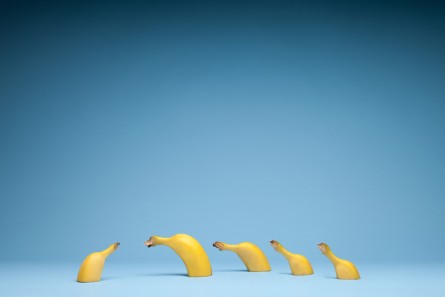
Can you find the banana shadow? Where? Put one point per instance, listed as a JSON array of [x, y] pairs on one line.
[[162, 274], [105, 279], [290, 274], [231, 270]]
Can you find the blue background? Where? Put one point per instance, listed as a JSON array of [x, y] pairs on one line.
[[251, 121]]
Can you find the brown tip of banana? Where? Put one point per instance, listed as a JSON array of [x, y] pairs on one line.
[[274, 244], [219, 245], [116, 245], [149, 242], [322, 247]]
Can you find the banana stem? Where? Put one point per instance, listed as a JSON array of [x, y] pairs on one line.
[[334, 259], [111, 249], [284, 252], [156, 240], [280, 249], [224, 246]]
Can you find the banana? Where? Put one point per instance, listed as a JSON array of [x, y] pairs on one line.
[[343, 268], [91, 268], [189, 250], [251, 255], [299, 264]]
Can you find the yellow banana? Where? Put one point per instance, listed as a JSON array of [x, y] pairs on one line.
[[91, 268], [299, 264], [343, 268], [251, 255], [189, 250]]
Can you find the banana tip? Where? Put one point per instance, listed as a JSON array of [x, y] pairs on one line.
[[323, 247], [149, 243], [219, 245], [275, 244]]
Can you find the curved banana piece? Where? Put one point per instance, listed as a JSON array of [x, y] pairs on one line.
[[251, 255], [92, 266], [189, 250], [299, 264], [343, 268]]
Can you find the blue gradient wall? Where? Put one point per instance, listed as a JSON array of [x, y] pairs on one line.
[[294, 122]]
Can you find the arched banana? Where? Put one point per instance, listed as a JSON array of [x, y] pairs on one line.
[[92, 266], [189, 250], [343, 268], [251, 255], [299, 264]]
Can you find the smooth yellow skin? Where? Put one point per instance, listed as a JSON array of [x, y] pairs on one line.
[[343, 268], [251, 255], [92, 266], [189, 250], [299, 264]]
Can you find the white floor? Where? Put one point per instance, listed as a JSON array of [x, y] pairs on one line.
[[227, 280]]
